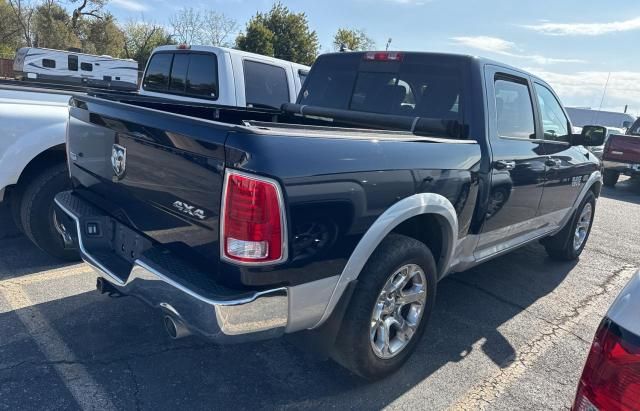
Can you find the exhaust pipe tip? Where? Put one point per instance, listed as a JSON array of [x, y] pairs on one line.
[[175, 328], [102, 285]]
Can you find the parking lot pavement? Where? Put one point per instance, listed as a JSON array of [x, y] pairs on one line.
[[510, 334]]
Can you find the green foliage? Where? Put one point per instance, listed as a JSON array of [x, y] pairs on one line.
[[258, 39], [280, 33], [11, 35], [140, 38], [353, 40], [102, 37], [52, 27]]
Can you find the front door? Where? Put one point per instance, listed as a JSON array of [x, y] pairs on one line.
[[568, 167], [518, 166]]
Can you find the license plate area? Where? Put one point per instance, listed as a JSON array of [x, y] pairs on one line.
[[128, 244], [103, 235]]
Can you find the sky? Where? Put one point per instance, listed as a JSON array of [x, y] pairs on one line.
[[574, 45]]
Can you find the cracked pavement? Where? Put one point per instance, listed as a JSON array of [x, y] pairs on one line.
[[512, 333]]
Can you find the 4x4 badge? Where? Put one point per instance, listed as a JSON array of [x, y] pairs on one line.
[[119, 160]]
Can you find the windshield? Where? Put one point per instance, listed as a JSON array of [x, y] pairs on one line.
[[420, 85]]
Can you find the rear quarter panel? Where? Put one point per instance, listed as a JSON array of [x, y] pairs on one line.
[[341, 186], [31, 123]]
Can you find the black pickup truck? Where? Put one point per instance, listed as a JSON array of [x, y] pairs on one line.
[[335, 218]]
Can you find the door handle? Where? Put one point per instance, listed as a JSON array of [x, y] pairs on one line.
[[504, 165]]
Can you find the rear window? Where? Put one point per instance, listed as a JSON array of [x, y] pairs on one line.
[[202, 76], [189, 74], [48, 63], [157, 76], [179, 72], [86, 66], [427, 86], [265, 84]]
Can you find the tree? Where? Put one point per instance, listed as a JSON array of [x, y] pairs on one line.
[[353, 40], [140, 38], [22, 12], [102, 36], [10, 31], [205, 27], [258, 39], [51, 27], [187, 25], [280, 33], [218, 28], [86, 8]]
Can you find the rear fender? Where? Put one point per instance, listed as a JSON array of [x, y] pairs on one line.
[[18, 150], [417, 204]]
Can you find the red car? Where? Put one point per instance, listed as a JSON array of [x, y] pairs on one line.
[[611, 376], [622, 155]]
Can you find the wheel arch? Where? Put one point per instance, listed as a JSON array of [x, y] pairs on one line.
[[28, 169], [423, 209]]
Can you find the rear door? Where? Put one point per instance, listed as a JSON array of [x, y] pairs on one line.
[[517, 170], [568, 167]]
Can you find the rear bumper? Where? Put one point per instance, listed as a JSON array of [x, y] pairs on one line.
[[164, 281], [629, 169]]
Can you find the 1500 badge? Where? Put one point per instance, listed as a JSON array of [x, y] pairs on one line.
[[189, 210]]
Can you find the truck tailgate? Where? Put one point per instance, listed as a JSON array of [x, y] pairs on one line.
[[158, 173], [623, 149]]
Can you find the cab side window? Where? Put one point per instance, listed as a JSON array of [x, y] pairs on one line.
[[265, 84], [514, 109], [554, 122]]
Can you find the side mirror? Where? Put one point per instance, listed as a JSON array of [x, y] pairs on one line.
[[590, 136], [626, 124]]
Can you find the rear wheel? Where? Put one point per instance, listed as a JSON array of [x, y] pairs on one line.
[[389, 310], [37, 211], [610, 178], [14, 202], [568, 244]]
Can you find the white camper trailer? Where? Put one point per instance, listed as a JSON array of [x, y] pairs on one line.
[[58, 66]]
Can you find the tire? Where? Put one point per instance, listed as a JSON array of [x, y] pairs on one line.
[[610, 178], [14, 205], [36, 211], [354, 348], [561, 246]]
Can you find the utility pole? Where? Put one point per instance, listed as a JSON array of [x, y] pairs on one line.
[[604, 92]]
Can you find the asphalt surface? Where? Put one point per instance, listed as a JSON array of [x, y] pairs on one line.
[[512, 333]]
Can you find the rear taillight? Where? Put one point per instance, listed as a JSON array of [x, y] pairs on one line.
[[252, 222], [611, 376], [383, 56]]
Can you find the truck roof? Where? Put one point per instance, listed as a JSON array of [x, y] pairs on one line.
[[473, 59], [211, 49]]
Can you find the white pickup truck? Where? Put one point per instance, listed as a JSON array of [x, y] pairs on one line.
[[33, 122]]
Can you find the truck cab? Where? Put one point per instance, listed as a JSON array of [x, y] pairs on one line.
[[222, 76]]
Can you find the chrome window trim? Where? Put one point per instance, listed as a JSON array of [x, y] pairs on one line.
[[283, 218]]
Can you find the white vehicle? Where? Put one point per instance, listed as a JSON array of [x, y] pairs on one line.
[[611, 119], [33, 122], [222, 76], [67, 67]]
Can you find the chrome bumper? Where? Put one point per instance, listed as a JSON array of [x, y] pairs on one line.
[[625, 168], [215, 312]]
